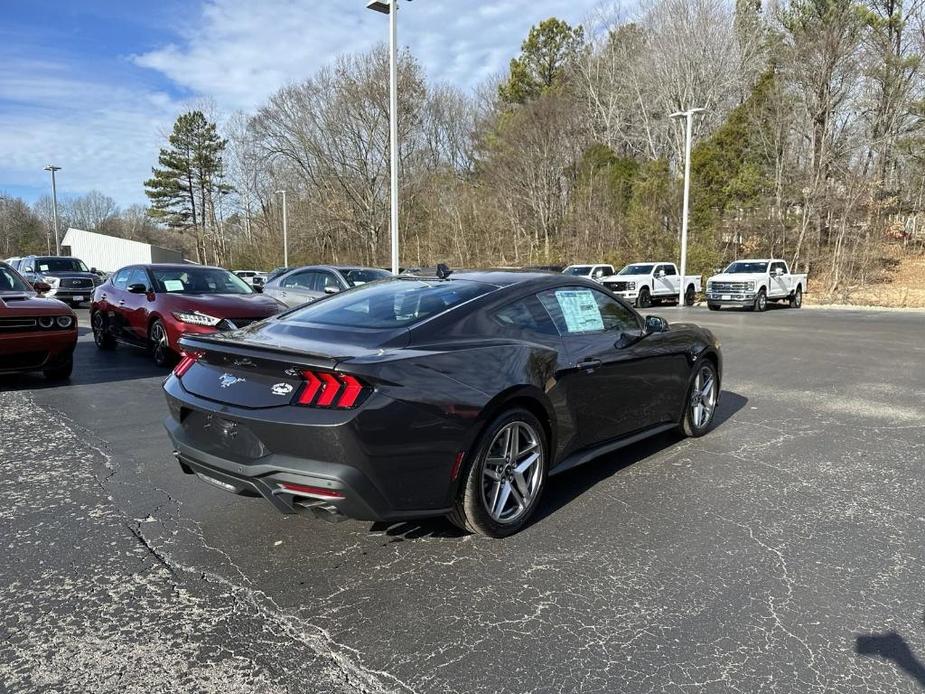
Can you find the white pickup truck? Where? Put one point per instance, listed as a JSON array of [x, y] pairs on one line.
[[644, 283], [592, 272], [753, 283]]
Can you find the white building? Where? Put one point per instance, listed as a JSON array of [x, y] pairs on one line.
[[109, 253]]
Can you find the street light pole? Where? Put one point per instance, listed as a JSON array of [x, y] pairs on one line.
[[54, 204], [688, 116], [390, 7], [285, 230]]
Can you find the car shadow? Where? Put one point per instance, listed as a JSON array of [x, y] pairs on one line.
[[566, 487], [92, 366], [889, 645]]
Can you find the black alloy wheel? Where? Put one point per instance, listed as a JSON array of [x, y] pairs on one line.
[[101, 335], [160, 344]]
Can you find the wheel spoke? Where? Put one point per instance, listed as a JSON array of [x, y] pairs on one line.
[[501, 502], [698, 415], [518, 498], [707, 389], [525, 464], [493, 474]]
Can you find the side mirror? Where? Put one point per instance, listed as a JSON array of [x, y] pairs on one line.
[[41, 287], [94, 271], [660, 274], [778, 272], [138, 288], [331, 290], [655, 324], [258, 288], [28, 270]]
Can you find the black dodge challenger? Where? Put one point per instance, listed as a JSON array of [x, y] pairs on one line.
[[456, 395]]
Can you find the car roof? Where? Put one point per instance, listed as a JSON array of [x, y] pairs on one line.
[[501, 278]]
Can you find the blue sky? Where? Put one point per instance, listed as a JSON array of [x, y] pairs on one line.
[[94, 85]]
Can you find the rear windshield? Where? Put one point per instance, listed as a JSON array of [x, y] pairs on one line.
[[636, 270], [395, 304], [356, 276], [60, 265], [198, 280]]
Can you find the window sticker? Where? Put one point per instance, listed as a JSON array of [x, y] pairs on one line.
[[173, 285], [43, 268], [579, 310]]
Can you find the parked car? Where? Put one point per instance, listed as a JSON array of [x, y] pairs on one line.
[[594, 272], [151, 306], [422, 396], [276, 272], [643, 283], [254, 278], [13, 262], [312, 282], [69, 279], [752, 283], [36, 333]]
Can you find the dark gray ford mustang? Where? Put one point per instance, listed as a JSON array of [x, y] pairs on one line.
[[417, 396]]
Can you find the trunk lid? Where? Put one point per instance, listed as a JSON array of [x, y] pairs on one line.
[[261, 366]]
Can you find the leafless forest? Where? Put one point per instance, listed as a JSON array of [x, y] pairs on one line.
[[811, 148]]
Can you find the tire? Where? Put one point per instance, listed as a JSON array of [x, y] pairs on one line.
[[61, 372], [159, 344], [494, 500], [696, 422], [644, 300], [690, 295], [101, 335], [796, 299], [713, 307], [761, 301]]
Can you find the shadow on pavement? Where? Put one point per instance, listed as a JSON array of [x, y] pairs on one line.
[[567, 487], [891, 646], [91, 366]]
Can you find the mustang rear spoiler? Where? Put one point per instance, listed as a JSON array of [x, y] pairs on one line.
[[203, 343]]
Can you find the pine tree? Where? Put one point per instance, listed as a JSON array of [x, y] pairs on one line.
[[545, 53], [183, 189]]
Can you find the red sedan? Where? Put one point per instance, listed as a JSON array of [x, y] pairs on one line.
[[36, 334], [151, 306]]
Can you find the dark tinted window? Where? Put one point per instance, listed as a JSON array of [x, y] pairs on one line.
[[399, 303], [57, 264], [526, 314], [580, 310], [363, 275], [669, 270], [740, 267], [198, 280], [307, 279], [577, 270]]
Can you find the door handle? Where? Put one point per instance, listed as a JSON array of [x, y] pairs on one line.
[[589, 364], [122, 303]]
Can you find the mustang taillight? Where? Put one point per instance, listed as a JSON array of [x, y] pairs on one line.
[[330, 390], [186, 361]]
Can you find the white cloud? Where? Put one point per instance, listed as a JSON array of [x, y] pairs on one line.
[[240, 51]]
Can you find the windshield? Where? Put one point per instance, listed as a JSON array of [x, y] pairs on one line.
[[198, 280], [577, 270], [740, 267], [10, 281], [60, 265], [395, 304], [636, 270], [361, 275]]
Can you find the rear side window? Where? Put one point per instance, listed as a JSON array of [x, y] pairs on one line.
[[394, 304], [580, 310], [301, 280], [526, 314]]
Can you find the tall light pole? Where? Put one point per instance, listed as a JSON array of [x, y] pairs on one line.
[[688, 115], [54, 204], [285, 230], [390, 7]]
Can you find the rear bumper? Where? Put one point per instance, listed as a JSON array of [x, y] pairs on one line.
[[372, 471]]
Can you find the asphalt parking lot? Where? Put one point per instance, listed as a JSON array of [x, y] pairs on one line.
[[782, 552]]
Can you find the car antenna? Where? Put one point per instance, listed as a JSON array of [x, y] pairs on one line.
[[443, 271]]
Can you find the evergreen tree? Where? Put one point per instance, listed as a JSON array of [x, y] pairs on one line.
[[183, 189], [547, 50]]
